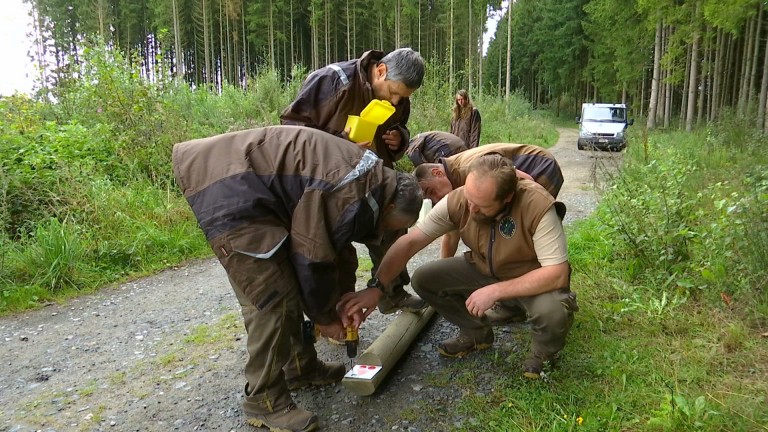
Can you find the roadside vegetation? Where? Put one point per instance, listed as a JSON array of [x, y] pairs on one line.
[[670, 270]]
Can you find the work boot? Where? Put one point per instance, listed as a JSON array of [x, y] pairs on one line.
[[534, 364], [289, 419], [407, 303], [501, 314], [466, 342], [324, 373]]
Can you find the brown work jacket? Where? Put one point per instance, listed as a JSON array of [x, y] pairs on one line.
[[504, 248], [257, 191], [530, 159], [468, 129], [429, 147], [333, 92]]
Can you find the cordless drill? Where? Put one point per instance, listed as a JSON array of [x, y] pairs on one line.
[[351, 341]]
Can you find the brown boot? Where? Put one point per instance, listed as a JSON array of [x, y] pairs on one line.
[[534, 364], [466, 342], [289, 419], [324, 373]]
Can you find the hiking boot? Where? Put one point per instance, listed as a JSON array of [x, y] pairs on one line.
[[466, 343], [501, 314], [325, 373], [408, 303], [289, 419], [534, 364]]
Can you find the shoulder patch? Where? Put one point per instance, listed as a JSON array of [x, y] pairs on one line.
[[507, 227]]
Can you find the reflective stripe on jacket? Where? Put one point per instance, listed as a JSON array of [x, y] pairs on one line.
[[332, 93], [259, 189]]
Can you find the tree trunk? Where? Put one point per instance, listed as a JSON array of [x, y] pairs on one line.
[[746, 66], [419, 26], [693, 81], [397, 24], [246, 57], [349, 30], [651, 121], [684, 104], [450, 51], [470, 47], [755, 56], [326, 14], [717, 79], [509, 52], [762, 121], [206, 44]]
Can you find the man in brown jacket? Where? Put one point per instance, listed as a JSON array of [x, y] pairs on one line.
[[439, 176], [518, 255], [429, 147], [338, 90], [278, 206], [531, 163]]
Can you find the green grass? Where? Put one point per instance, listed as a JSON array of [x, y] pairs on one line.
[[670, 270], [655, 347]]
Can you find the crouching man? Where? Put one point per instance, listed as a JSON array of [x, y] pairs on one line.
[[278, 206], [518, 256]]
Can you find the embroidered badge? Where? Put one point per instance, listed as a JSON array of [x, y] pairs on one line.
[[507, 227]]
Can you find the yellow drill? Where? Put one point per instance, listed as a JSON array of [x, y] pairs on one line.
[[351, 341]]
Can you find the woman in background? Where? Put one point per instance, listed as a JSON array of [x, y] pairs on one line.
[[465, 120]]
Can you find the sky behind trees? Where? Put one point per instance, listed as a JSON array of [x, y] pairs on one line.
[[17, 74]]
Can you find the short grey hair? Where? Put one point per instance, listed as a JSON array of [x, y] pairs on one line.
[[408, 196], [405, 65]]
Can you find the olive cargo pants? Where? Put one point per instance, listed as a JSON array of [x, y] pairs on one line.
[[276, 350], [447, 283]]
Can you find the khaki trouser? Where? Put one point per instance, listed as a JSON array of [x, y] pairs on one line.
[[276, 351], [447, 283]]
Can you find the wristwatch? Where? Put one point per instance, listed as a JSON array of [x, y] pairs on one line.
[[374, 282]]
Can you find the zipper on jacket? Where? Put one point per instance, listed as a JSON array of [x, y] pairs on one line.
[[491, 240]]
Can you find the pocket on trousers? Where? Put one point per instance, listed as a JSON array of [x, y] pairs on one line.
[[263, 281], [569, 301]]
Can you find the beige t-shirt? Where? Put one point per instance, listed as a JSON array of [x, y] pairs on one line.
[[548, 240]]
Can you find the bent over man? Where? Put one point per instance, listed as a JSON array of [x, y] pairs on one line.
[[278, 205], [333, 92], [518, 255], [429, 147]]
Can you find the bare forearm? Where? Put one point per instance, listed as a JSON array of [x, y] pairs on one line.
[[397, 256], [449, 244]]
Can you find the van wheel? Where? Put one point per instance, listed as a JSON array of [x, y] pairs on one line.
[[580, 146]]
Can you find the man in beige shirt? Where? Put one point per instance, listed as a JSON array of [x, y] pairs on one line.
[[518, 256]]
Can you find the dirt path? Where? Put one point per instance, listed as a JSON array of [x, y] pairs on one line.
[[166, 352]]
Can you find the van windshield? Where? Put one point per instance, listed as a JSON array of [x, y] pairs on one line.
[[605, 114]]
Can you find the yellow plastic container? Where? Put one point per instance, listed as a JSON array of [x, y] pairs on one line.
[[362, 128]]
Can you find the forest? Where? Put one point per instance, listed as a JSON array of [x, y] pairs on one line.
[[669, 268], [675, 62]]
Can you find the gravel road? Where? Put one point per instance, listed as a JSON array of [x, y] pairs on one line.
[[166, 352]]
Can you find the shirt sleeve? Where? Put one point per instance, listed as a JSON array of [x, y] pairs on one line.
[[437, 221], [549, 240]]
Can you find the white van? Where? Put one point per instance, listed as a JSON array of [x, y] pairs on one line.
[[603, 126]]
